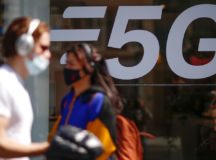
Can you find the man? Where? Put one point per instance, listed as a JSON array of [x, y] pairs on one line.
[[26, 52]]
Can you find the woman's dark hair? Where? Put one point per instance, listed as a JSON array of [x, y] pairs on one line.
[[15, 30], [95, 64]]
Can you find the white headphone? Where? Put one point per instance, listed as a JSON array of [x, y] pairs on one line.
[[25, 43]]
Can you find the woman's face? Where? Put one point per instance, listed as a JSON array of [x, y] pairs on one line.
[[73, 69], [72, 62]]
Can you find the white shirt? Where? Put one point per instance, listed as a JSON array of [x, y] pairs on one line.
[[15, 104]]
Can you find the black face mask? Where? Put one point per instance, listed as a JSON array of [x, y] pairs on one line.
[[71, 75]]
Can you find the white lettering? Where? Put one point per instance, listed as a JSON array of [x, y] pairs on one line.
[[79, 34], [175, 57], [149, 42]]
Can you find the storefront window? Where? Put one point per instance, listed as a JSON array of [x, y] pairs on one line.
[[171, 101], [167, 99]]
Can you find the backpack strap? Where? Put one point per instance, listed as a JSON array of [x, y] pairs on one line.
[[55, 127]]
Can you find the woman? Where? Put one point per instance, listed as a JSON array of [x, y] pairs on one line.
[[93, 100]]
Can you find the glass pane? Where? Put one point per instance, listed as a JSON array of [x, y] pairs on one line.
[[162, 102]]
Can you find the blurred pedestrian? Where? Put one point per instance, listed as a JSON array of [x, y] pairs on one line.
[[26, 52]]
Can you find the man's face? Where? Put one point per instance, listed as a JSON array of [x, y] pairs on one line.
[[41, 47], [38, 60]]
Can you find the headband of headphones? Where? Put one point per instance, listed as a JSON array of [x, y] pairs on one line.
[[33, 26], [25, 43], [87, 50]]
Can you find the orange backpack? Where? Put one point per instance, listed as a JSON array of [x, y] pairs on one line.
[[129, 141]]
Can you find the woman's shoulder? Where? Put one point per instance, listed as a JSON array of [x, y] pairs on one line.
[[93, 94]]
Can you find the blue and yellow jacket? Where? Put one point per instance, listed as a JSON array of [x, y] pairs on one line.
[[92, 110]]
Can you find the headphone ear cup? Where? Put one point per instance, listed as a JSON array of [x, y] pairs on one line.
[[88, 51], [24, 44]]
